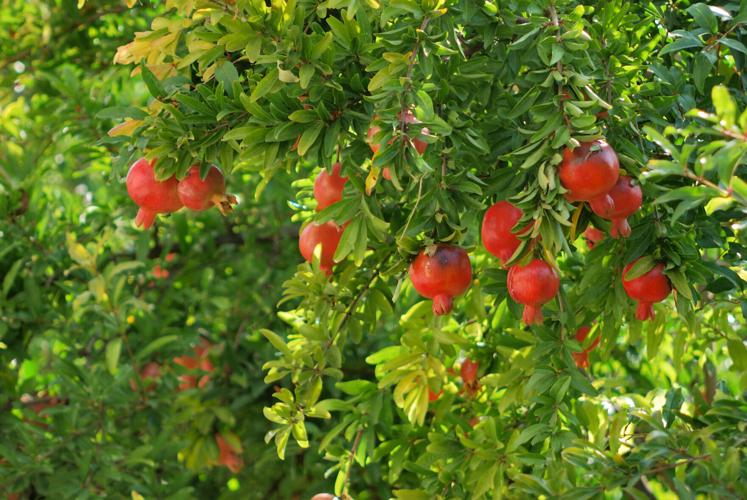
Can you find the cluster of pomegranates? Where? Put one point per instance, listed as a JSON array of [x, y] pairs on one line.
[[163, 197]]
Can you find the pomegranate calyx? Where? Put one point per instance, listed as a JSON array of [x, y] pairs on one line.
[[644, 311], [442, 304]]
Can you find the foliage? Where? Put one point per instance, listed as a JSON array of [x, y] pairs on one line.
[[274, 92]]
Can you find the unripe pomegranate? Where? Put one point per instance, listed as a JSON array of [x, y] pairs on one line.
[[328, 187], [652, 287], [589, 172], [533, 285], [468, 371], [328, 235], [626, 200], [201, 194], [582, 358], [592, 236], [497, 230], [152, 196], [441, 273]]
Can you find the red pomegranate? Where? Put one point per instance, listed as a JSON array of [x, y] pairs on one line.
[[497, 230], [433, 396], [328, 235], [592, 236], [441, 272], [533, 285], [201, 194], [228, 455], [652, 287], [582, 358], [328, 187], [152, 196], [626, 200], [148, 376], [589, 172], [419, 144], [468, 371]]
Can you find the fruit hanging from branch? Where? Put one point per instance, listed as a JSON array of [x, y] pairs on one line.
[[497, 230], [626, 200], [152, 196], [651, 287], [582, 358], [441, 272], [328, 236], [200, 194], [533, 285], [328, 187], [592, 236], [589, 172]]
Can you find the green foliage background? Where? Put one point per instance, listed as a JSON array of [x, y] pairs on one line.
[[341, 369]]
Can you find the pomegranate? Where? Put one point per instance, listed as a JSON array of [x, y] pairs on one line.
[[652, 287], [533, 285], [201, 194], [626, 200], [419, 144], [148, 377], [328, 235], [497, 230], [468, 371], [328, 187], [589, 172], [592, 236], [227, 455], [324, 496], [582, 358], [152, 196], [433, 396], [441, 272]]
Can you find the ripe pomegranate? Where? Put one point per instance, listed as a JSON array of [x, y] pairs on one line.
[[328, 187], [149, 375], [533, 285], [201, 194], [626, 200], [328, 235], [652, 287], [228, 456], [589, 172], [152, 196], [592, 236], [497, 230], [441, 272], [582, 358], [468, 371]]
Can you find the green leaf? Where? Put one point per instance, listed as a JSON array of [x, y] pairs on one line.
[[265, 85], [734, 45], [641, 267], [681, 44], [155, 345], [308, 137], [704, 17], [726, 108], [738, 353], [276, 341], [680, 283], [113, 349], [227, 74], [154, 86], [305, 74]]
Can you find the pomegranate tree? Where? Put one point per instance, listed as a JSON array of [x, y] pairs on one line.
[[441, 273], [497, 231], [651, 287], [588, 172], [533, 285], [328, 236], [152, 196], [626, 200], [328, 187], [197, 193]]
